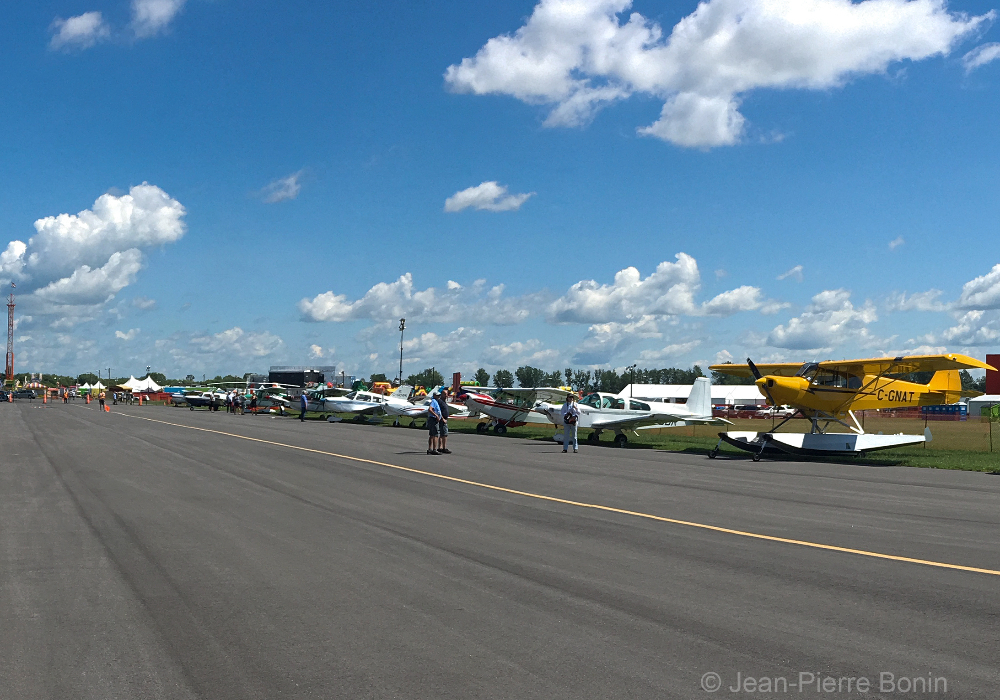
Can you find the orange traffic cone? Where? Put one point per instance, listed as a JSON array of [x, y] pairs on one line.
[[45, 397], [107, 409], [140, 399], [88, 398]]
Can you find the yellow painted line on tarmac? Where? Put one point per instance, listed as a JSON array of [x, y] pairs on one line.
[[592, 506]]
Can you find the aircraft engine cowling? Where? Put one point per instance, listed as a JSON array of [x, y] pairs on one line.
[[783, 390]]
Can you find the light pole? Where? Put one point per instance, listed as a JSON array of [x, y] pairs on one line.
[[631, 384], [147, 370], [402, 327]]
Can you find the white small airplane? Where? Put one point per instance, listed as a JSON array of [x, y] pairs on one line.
[[511, 408], [600, 412], [400, 405]]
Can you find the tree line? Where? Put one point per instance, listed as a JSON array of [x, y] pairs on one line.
[[585, 381]]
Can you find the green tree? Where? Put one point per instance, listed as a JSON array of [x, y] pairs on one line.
[[158, 377], [428, 379], [553, 379], [503, 378], [580, 381], [722, 379], [482, 376], [528, 376], [377, 377], [87, 378]]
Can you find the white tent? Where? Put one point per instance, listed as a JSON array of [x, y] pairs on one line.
[[84, 386], [146, 385], [98, 386], [131, 384], [977, 404]]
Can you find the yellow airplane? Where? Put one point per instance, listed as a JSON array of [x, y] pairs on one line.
[[830, 392]]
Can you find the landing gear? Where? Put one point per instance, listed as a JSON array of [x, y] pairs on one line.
[[715, 452], [360, 418], [482, 428], [500, 429], [621, 440], [594, 437]]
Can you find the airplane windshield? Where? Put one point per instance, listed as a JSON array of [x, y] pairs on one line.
[[592, 400], [808, 370], [638, 406], [612, 402]]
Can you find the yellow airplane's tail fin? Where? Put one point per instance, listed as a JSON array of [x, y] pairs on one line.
[[945, 380], [948, 384]]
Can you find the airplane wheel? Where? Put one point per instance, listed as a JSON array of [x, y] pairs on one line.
[[756, 456], [192, 408], [482, 428], [594, 438], [360, 418], [621, 440], [500, 430], [322, 417], [714, 453]]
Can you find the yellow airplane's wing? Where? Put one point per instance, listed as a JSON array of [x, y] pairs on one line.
[[903, 364], [785, 369], [876, 366]]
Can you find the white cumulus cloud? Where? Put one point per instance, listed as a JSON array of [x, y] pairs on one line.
[[578, 56], [487, 196], [128, 335], [399, 299], [829, 321], [150, 17], [80, 32], [83, 260], [982, 292]]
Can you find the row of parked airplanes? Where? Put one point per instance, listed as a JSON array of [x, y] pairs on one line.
[[825, 393], [500, 408]]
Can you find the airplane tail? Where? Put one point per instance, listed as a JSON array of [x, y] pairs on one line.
[[700, 400], [403, 392], [947, 384]]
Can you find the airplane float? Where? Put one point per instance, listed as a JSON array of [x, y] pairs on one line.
[[828, 393], [600, 412]]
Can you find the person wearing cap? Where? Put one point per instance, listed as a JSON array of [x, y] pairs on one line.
[[433, 425], [571, 417], [442, 400]]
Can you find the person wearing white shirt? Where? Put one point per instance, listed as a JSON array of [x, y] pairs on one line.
[[571, 416]]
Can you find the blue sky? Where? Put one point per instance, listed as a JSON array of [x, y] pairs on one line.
[[278, 183]]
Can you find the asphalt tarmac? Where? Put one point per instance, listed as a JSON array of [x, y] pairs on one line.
[[140, 558]]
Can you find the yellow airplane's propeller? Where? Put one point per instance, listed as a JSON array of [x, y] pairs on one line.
[[761, 385]]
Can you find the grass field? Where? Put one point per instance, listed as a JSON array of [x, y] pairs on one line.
[[961, 445], [945, 451]]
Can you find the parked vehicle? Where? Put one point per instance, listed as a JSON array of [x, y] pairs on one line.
[[25, 394]]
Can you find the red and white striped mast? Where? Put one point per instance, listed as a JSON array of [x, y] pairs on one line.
[[10, 334]]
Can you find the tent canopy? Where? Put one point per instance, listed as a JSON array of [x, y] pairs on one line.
[[147, 385], [131, 384]]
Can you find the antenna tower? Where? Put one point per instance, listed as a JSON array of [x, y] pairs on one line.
[[10, 334]]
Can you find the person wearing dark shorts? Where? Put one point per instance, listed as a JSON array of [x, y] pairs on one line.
[[433, 426], [443, 425]]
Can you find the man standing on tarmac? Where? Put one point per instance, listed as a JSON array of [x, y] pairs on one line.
[[303, 404], [442, 400], [433, 426], [101, 397], [571, 416]]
